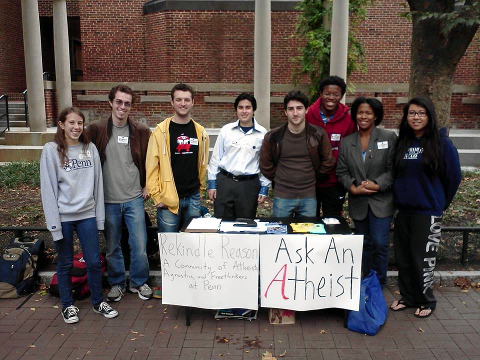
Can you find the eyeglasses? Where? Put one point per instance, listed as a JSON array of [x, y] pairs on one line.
[[329, 94], [420, 114], [124, 103]]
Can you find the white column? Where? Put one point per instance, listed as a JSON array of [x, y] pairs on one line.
[[339, 41], [33, 65], [262, 61], [62, 54]]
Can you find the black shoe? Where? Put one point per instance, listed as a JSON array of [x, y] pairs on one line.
[[70, 314]]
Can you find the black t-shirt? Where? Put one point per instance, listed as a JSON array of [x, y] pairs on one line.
[[184, 150]]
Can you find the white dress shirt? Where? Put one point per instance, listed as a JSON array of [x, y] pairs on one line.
[[238, 153]]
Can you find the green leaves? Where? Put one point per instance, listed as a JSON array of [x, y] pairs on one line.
[[461, 15], [17, 173], [314, 58]]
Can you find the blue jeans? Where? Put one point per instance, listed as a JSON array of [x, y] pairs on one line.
[[170, 222], [87, 233], [303, 207], [375, 244], [133, 212]]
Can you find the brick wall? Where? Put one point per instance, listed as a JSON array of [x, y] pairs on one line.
[[120, 44], [12, 64], [112, 40]]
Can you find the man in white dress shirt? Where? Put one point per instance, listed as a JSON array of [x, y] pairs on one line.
[[234, 179]]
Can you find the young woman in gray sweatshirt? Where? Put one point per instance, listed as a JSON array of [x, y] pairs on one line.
[[72, 197]]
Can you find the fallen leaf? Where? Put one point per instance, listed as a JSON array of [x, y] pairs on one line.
[[175, 327], [133, 339], [31, 346], [134, 332], [421, 330], [283, 354], [149, 306], [247, 351], [33, 309], [463, 282], [165, 310], [55, 306], [397, 292], [267, 355], [323, 331]]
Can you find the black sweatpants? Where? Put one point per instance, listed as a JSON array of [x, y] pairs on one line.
[[236, 199], [416, 241], [330, 200]]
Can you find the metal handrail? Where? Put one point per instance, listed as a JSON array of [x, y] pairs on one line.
[[466, 230], [6, 112], [25, 102]]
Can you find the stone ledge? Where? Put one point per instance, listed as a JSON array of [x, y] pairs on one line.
[[155, 98], [156, 6], [242, 87], [471, 101]]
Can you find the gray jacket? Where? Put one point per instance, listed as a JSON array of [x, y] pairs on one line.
[[377, 167]]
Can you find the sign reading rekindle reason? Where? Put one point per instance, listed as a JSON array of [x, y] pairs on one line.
[[298, 272]]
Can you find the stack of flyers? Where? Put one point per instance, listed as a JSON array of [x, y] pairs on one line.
[[276, 228], [242, 314]]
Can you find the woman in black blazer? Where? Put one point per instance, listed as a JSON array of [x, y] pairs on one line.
[[364, 168]]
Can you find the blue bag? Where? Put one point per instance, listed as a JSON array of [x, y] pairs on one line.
[[372, 311]]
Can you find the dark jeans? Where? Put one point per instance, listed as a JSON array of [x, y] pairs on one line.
[[170, 222], [87, 233], [133, 212], [287, 208], [375, 244]]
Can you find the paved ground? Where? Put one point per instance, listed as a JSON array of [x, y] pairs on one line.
[[150, 330]]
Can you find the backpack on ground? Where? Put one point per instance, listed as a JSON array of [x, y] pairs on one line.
[[19, 264], [372, 312], [80, 289]]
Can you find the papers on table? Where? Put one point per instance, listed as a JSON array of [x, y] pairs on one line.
[[204, 225]]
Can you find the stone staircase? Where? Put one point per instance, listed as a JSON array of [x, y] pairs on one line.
[[21, 144], [16, 111]]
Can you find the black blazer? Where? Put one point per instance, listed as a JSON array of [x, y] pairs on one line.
[[377, 167]]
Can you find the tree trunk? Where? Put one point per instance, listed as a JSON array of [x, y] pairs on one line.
[[435, 55]]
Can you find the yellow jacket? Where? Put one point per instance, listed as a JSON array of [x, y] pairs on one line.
[[160, 182]]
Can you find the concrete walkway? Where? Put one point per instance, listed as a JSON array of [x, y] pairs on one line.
[[150, 330]]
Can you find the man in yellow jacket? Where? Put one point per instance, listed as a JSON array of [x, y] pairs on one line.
[[176, 164]]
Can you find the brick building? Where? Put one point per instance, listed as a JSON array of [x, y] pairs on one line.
[[152, 44]]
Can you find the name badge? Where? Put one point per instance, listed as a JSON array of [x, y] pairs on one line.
[[193, 141], [382, 145], [84, 155], [122, 139], [335, 137]]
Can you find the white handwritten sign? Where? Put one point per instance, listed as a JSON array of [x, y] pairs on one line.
[[210, 271], [307, 272]]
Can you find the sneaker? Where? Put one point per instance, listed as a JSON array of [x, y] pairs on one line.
[[105, 309], [70, 314], [116, 293], [144, 292], [157, 294]]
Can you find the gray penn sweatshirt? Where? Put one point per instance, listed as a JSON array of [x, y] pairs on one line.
[[72, 191]]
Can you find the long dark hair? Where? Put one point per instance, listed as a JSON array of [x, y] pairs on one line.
[[429, 141], [60, 135]]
